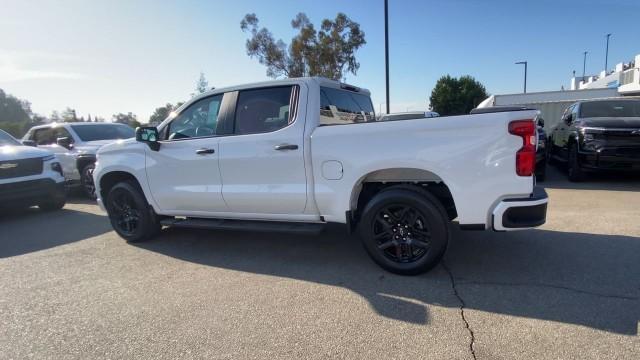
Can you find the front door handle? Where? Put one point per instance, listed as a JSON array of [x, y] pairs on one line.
[[286, 147], [205, 151]]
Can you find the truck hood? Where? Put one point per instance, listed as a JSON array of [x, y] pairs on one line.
[[622, 123], [17, 152], [118, 145], [91, 147]]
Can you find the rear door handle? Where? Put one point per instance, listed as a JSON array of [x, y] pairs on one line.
[[286, 147], [205, 151]]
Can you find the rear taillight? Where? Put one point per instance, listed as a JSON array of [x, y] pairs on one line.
[[526, 156]]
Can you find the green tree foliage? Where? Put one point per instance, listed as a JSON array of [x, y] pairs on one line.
[[127, 119], [15, 115], [202, 85], [162, 112], [69, 115], [457, 96], [328, 52]]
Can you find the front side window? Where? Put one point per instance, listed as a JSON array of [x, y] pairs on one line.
[[103, 132], [339, 106], [198, 120], [45, 136], [264, 110]]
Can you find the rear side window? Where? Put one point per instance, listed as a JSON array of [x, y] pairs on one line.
[[344, 107], [265, 110]]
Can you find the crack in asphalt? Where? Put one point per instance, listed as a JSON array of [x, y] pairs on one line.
[[462, 307], [551, 286]]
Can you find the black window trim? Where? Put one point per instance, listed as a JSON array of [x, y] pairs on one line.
[[294, 100]]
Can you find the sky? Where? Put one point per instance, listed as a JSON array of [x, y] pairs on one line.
[[106, 57]]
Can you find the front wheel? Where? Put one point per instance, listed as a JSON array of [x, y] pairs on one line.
[[86, 179], [130, 214], [405, 230], [576, 173]]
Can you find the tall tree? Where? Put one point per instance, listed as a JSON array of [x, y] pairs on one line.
[[162, 112], [457, 96], [15, 114], [69, 115], [127, 119], [328, 52], [202, 85]]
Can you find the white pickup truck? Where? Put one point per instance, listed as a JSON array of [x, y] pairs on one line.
[[295, 154]]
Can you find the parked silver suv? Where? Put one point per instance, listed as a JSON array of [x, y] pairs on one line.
[[76, 145]]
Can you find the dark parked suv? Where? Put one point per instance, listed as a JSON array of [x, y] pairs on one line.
[[598, 135]]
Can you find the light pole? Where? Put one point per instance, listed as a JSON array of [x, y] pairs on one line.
[[386, 48], [606, 56], [525, 74], [584, 65]]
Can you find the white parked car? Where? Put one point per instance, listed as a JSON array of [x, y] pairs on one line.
[[76, 145], [295, 154], [29, 176]]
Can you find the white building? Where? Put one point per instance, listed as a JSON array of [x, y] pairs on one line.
[[625, 78], [623, 81]]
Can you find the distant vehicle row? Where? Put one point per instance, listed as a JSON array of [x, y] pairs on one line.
[[597, 135]]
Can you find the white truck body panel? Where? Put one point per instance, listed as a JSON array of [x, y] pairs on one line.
[[474, 155]]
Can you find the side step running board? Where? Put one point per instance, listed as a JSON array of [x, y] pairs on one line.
[[248, 225]]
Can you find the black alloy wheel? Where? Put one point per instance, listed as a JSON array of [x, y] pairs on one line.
[[130, 214], [405, 229], [401, 234], [86, 179]]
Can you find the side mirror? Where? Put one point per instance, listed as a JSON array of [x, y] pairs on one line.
[[541, 122], [65, 142], [569, 119], [29, 143], [149, 136]]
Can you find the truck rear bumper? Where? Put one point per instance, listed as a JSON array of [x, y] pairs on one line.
[[521, 213]]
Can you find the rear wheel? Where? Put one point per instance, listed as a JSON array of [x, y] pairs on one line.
[[86, 179], [130, 214], [405, 230], [574, 171]]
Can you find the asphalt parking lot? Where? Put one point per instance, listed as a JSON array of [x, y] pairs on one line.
[[70, 288]]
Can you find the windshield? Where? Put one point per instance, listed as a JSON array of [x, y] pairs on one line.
[[613, 108], [103, 132], [6, 139]]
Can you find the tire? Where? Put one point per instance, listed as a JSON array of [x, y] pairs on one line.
[[130, 214], [56, 203], [416, 239], [576, 174], [86, 180]]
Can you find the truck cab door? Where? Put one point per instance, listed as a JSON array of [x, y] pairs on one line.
[[262, 160], [183, 173]]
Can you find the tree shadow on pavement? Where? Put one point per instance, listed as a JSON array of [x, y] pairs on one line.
[[28, 230], [583, 279]]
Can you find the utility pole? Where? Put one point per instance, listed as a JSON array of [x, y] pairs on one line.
[[584, 65], [386, 48], [525, 74], [606, 56]]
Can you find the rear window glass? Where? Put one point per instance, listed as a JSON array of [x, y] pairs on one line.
[[344, 107], [619, 108], [103, 132]]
